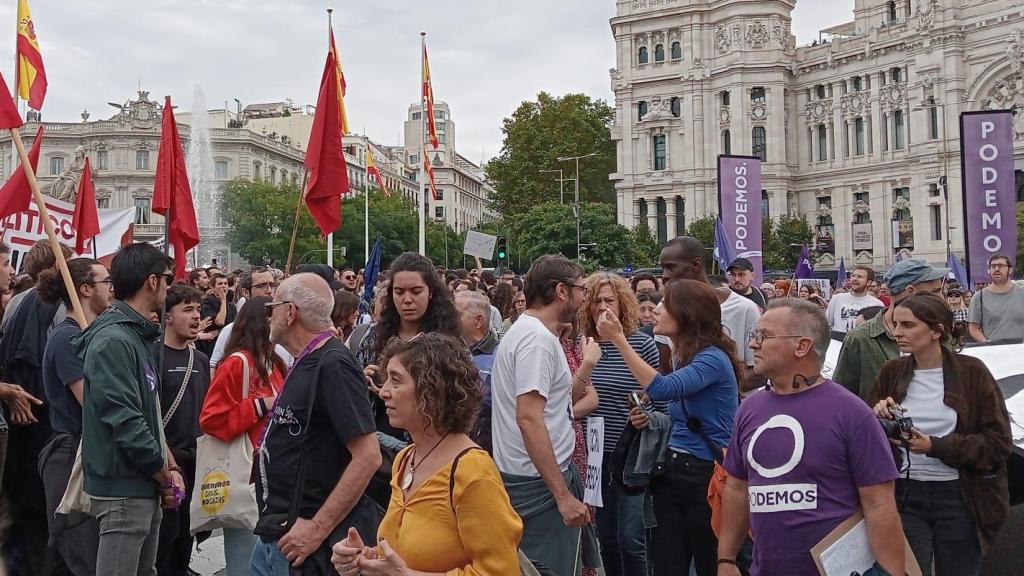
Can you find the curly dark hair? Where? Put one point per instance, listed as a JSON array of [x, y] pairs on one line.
[[504, 300], [448, 391], [637, 278], [251, 333], [440, 316]]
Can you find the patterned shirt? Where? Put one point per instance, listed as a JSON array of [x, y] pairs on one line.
[[865, 349]]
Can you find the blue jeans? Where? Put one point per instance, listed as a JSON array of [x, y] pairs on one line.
[[620, 528], [268, 560], [238, 546]]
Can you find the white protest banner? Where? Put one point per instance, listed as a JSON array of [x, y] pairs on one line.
[[480, 245], [22, 230], [822, 284], [595, 458]]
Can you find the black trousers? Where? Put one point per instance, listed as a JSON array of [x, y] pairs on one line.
[[683, 534], [174, 551], [939, 528]]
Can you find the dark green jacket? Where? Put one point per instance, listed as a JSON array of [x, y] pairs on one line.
[[122, 436], [865, 349]]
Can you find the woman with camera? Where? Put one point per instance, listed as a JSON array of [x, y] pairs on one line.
[[702, 395], [948, 414], [449, 512]]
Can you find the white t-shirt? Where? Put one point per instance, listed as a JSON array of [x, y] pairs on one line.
[[739, 318], [844, 307], [924, 404], [530, 358]]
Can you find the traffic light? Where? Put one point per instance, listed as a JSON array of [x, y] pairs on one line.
[[502, 246]]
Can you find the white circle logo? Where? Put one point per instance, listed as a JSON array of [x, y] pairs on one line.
[[778, 421]]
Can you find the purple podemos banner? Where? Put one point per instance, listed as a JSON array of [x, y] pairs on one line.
[[990, 219], [739, 206]]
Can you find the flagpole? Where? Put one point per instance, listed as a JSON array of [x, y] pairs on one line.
[[423, 149], [295, 225], [330, 237], [366, 214], [44, 215]]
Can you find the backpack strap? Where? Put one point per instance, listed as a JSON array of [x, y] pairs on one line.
[[184, 385], [451, 477]]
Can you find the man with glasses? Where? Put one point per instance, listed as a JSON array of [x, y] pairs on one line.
[[129, 471], [348, 279], [997, 312], [872, 344], [804, 456], [258, 282], [531, 420]]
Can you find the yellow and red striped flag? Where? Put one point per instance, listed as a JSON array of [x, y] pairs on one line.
[[30, 73], [342, 87], [429, 169], [428, 97], [373, 170]]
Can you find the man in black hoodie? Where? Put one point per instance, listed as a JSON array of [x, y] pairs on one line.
[[129, 472]]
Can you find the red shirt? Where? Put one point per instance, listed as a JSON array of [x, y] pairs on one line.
[[226, 414]]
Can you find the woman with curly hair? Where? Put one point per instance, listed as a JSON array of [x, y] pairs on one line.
[[449, 512], [620, 525], [415, 302], [702, 395]]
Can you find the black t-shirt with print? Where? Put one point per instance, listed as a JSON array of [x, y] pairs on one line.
[[183, 428], [340, 413]]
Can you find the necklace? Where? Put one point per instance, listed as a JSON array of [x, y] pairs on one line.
[[411, 470]]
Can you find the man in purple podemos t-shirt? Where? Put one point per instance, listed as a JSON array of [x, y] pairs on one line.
[[804, 456]]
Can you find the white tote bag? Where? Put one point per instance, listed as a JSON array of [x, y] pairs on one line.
[[75, 499], [223, 496]]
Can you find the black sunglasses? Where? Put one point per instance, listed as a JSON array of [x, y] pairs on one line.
[[269, 306]]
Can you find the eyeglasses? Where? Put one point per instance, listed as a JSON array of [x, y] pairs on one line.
[[583, 288], [998, 266], [264, 286], [95, 282], [759, 336], [269, 306], [348, 277], [167, 276]]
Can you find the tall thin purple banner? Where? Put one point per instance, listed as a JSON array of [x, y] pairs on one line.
[[739, 206], [986, 159]]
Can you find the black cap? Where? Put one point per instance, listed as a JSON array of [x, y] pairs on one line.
[[742, 264]]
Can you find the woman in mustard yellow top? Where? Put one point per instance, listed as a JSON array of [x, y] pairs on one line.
[[449, 512]]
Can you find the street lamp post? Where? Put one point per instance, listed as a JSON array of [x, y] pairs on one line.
[[561, 183], [576, 208]]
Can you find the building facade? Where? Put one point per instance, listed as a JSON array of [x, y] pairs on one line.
[[858, 132]]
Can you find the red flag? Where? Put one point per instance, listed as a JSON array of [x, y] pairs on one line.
[[373, 170], [86, 221], [325, 158], [429, 168], [16, 196], [172, 196], [428, 97], [9, 117]]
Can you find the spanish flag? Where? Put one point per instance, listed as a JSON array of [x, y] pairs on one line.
[[429, 169], [31, 75], [428, 97], [372, 170], [343, 116]]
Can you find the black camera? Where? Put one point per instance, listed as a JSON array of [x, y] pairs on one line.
[[899, 427]]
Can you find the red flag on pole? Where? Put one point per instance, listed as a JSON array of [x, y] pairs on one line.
[[325, 158], [172, 196], [428, 96], [430, 174], [16, 195], [86, 220], [9, 117]]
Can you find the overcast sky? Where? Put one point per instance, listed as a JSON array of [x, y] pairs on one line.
[[487, 56]]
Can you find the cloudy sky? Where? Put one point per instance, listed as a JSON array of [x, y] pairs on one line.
[[486, 56]]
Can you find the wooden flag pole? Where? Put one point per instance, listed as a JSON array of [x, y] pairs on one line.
[[295, 226], [44, 215]]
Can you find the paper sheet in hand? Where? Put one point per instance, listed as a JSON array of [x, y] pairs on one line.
[[595, 458], [846, 550], [480, 244]]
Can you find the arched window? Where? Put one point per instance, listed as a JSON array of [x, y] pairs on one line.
[[641, 110], [641, 55], [759, 143], [677, 50], [659, 53], [726, 142], [676, 107], [725, 97]]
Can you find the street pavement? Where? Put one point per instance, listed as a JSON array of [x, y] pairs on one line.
[[208, 560]]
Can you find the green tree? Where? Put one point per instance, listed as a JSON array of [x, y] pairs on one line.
[[261, 218], [393, 217], [645, 248], [703, 229], [782, 240], [551, 229], [536, 135]]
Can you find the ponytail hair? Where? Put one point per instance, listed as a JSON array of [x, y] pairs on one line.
[[50, 284]]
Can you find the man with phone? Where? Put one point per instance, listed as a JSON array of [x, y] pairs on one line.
[[217, 312]]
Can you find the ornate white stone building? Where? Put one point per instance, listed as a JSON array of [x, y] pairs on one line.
[[858, 132]]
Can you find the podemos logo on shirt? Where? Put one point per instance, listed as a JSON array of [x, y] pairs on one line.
[[781, 497]]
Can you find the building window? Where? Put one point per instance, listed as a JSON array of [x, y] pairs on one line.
[[676, 107], [677, 50], [273, 175], [892, 12], [725, 97], [142, 210], [885, 132], [438, 114], [726, 142], [659, 53], [819, 90], [56, 165], [861, 217], [257, 173], [414, 159], [220, 170], [142, 159], [641, 55], [858, 84], [759, 140], [417, 115], [822, 142], [102, 160], [757, 94], [660, 158], [103, 203], [440, 194], [933, 119], [439, 212], [641, 110], [896, 74], [858, 136], [936, 214], [897, 119]]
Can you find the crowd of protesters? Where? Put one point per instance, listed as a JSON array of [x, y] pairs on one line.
[[433, 421]]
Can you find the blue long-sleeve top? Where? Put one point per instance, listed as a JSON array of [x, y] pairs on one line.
[[706, 389]]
